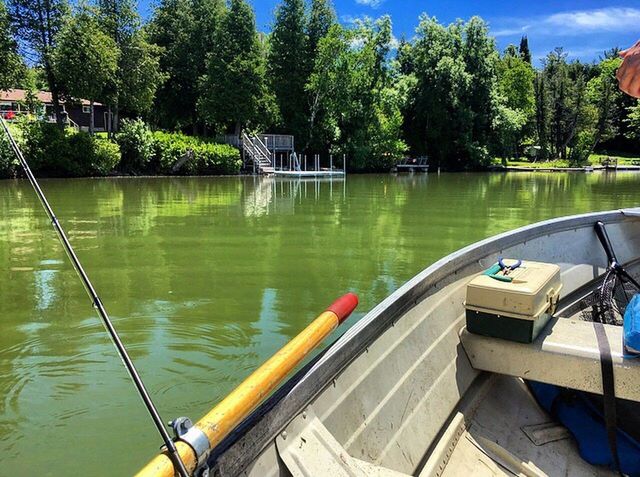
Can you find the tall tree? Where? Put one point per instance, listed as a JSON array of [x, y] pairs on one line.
[[481, 61], [321, 18], [233, 88], [288, 67], [517, 102], [86, 60], [525, 53], [12, 67], [355, 84], [138, 75], [184, 29], [37, 24], [455, 93]]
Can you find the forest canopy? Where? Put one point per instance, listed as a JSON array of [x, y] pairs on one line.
[[202, 68]]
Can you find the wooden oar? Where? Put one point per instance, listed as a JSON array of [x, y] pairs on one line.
[[223, 418]]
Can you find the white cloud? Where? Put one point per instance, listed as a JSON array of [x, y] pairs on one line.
[[573, 23], [370, 3], [511, 31], [349, 18], [353, 19], [602, 19]]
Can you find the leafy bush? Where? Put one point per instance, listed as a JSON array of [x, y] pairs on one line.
[[52, 151], [582, 148], [8, 161], [136, 145], [106, 156], [178, 153]]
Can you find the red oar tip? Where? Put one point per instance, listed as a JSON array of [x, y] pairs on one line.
[[344, 305]]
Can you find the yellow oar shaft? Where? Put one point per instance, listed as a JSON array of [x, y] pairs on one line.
[[223, 418]]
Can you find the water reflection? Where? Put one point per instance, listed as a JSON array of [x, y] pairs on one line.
[[206, 277]]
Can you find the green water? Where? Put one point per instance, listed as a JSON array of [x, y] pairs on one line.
[[207, 277]]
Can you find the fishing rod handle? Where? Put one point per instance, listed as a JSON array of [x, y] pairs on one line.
[[601, 232]]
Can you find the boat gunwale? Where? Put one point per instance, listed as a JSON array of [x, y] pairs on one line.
[[257, 431]]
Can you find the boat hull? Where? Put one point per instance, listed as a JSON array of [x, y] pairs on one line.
[[385, 391]]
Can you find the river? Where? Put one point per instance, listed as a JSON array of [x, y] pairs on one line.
[[207, 277]]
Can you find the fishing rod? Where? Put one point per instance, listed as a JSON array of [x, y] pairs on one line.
[[97, 303]]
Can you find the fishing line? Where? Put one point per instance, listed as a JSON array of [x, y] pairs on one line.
[[97, 303]]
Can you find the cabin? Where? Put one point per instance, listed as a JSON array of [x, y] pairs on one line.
[[78, 112]]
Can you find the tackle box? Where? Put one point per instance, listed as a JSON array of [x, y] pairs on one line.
[[515, 310]]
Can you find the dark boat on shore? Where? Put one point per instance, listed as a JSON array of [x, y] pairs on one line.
[[416, 164]]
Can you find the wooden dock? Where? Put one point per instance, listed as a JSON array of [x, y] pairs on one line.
[[304, 174]]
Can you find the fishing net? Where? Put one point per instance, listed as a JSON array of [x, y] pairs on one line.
[[608, 302]]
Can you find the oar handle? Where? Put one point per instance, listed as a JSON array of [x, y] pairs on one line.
[[603, 236], [224, 417]]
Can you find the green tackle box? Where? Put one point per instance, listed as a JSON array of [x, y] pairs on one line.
[[517, 310]]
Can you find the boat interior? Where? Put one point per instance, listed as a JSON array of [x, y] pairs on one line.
[[411, 393]]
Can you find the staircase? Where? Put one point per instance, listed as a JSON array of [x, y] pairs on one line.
[[258, 152]]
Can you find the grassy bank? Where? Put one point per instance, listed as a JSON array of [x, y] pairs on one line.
[[594, 160]]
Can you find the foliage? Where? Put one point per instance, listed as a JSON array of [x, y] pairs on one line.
[[56, 152], [560, 103], [36, 25], [12, 66], [137, 145], [105, 157], [288, 66], [581, 150], [86, 59], [8, 161], [455, 100], [321, 18], [515, 105], [523, 50], [354, 82], [184, 30], [138, 74], [201, 66], [233, 89], [178, 153], [633, 121]]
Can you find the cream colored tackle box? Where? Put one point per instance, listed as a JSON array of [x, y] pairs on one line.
[[517, 310]]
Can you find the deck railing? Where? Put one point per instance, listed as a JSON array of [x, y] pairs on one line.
[[273, 142]]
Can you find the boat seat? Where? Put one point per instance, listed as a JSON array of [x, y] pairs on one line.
[[565, 354]]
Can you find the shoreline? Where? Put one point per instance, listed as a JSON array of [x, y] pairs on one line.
[[498, 169]]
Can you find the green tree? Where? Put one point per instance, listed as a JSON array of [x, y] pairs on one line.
[[633, 122], [321, 18], [353, 79], [288, 68], [138, 75], [516, 104], [37, 24], [524, 51], [12, 67], [456, 100], [184, 29], [86, 60], [602, 94], [564, 98], [233, 89]]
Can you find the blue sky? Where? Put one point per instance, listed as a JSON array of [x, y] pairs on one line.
[[583, 28]]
